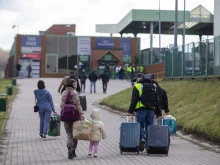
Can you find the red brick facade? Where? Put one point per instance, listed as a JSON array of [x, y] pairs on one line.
[[60, 29]]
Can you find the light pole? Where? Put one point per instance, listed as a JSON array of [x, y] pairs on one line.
[[159, 34], [14, 26], [175, 24]]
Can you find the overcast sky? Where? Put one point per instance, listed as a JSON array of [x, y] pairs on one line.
[[34, 15]]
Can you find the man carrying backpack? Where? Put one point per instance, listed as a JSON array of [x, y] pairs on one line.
[[145, 102]]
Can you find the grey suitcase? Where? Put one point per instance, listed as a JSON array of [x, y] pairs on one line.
[[158, 140], [130, 137], [83, 102]]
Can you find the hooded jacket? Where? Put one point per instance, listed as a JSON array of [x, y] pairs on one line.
[[163, 99], [98, 130], [135, 98], [74, 98], [93, 77], [44, 99]]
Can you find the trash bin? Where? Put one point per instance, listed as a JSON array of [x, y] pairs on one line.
[[3, 102], [9, 90], [14, 81]]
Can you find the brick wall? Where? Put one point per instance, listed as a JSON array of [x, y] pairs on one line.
[[60, 29], [157, 69]]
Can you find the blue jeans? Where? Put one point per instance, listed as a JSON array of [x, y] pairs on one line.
[[92, 83], [44, 115], [145, 118]]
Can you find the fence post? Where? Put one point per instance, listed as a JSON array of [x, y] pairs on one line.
[[206, 58], [193, 63]]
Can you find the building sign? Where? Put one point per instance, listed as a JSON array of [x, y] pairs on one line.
[[84, 58], [125, 44], [31, 44], [31, 55], [105, 43], [84, 46], [108, 57], [126, 59]]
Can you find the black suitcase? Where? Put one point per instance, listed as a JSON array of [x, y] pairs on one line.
[[130, 137], [158, 140], [83, 102]]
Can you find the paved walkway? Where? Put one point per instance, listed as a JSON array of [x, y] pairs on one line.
[[23, 146]]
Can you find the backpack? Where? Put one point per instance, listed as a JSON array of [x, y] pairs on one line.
[[69, 112], [149, 97]]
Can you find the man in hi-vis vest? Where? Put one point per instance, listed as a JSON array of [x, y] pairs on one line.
[[144, 115]]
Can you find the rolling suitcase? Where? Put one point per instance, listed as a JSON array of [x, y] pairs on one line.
[[158, 140], [130, 136], [83, 102], [21, 74]]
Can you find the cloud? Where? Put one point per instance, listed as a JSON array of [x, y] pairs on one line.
[[34, 15]]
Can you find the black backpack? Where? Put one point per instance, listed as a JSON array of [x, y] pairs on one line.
[[149, 97]]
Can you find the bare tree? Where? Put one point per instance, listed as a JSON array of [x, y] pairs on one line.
[[4, 54]]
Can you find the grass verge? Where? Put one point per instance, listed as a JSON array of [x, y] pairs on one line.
[[194, 103], [3, 89]]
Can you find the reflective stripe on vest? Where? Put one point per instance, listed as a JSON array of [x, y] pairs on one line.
[[139, 87]]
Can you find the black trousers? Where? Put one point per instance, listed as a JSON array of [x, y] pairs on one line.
[[104, 84]]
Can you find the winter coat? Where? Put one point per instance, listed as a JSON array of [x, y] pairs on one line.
[[98, 130], [163, 99], [74, 98], [104, 77], [93, 77], [83, 77], [44, 99]]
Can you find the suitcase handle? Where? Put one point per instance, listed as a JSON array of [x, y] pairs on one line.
[[127, 118]]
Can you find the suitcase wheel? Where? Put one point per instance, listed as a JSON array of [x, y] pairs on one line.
[[121, 150], [137, 152]]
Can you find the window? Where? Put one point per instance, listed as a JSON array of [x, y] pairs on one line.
[[51, 63]]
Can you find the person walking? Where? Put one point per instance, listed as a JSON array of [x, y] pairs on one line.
[[93, 78], [46, 107], [105, 79], [62, 85], [98, 132], [144, 115], [29, 69], [71, 87], [83, 77]]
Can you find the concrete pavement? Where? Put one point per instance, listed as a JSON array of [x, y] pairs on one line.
[[23, 145]]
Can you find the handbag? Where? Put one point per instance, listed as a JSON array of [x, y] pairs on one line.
[[36, 108], [69, 112]]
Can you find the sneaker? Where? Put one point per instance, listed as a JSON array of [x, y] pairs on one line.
[[95, 155], [44, 137], [145, 150], [90, 153], [141, 148], [41, 135]]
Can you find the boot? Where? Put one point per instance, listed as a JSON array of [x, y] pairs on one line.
[[74, 154], [70, 153]]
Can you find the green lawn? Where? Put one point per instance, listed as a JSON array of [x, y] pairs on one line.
[[3, 114], [194, 103]]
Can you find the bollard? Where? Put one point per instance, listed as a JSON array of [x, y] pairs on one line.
[[14, 81], [9, 90], [3, 102]]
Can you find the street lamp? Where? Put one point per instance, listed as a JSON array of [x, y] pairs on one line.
[[159, 34], [14, 26]]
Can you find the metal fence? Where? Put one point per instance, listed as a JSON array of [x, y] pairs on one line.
[[201, 59]]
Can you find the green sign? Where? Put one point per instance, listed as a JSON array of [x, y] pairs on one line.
[[127, 59], [108, 57], [84, 58]]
